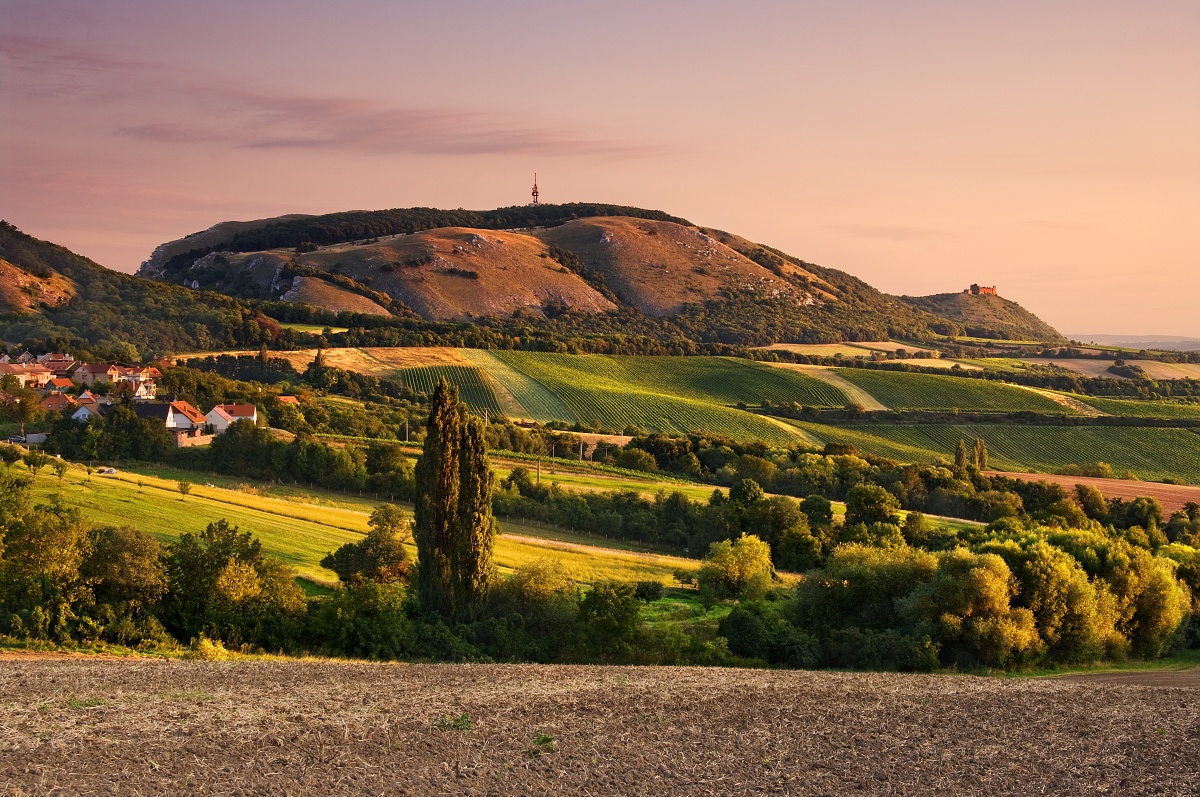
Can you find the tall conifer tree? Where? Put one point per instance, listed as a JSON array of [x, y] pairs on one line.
[[454, 529]]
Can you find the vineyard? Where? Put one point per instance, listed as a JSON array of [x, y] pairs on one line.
[[1152, 454], [1143, 409], [533, 398], [717, 380], [661, 394], [474, 386], [899, 390]]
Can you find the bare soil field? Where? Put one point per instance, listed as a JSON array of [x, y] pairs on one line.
[[1097, 367], [1187, 679], [1171, 496], [91, 726]]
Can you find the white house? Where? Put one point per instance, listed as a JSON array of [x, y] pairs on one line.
[[219, 419]]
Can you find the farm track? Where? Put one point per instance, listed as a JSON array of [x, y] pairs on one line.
[[853, 393], [146, 727], [1073, 404]]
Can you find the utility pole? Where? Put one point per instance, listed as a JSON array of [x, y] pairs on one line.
[[539, 475]]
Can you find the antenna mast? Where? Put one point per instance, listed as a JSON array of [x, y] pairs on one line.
[[535, 191]]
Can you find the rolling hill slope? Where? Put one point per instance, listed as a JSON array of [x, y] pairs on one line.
[[630, 270], [987, 316]]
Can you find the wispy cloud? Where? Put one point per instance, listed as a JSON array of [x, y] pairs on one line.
[[170, 107]]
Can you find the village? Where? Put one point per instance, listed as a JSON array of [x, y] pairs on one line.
[[88, 390]]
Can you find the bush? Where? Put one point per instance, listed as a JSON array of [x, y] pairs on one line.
[[649, 591], [737, 569]]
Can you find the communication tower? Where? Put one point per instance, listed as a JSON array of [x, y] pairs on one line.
[[535, 191]]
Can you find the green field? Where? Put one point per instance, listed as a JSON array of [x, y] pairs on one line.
[[314, 328], [900, 390], [534, 399], [1151, 454], [300, 527], [1133, 408], [669, 394], [474, 387]]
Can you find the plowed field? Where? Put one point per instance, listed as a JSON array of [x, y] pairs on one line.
[[92, 726]]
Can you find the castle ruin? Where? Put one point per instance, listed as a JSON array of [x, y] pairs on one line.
[[981, 290]]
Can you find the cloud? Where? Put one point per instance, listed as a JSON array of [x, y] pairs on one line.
[[174, 108]]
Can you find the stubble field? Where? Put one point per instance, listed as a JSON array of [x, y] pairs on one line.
[[89, 726]]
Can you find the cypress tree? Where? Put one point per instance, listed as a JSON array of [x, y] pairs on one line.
[[472, 559], [960, 459], [454, 529], [981, 454]]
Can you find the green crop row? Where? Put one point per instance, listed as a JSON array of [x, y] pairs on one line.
[[617, 392], [1149, 453], [900, 390], [1134, 408], [473, 385]]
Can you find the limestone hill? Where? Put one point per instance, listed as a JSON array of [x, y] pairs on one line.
[[987, 316], [23, 291]]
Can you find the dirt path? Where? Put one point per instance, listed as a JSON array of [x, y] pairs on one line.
[[1075, 405], [854, 393], [1187, 679], [1171, 496], [341, 728]]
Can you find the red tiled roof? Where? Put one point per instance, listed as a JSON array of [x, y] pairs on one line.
[[240, 410], [188, 411]]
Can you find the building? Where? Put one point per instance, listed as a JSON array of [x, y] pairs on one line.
[[59, 383], [981, 290], [93, 373], [240, 412], [175, 415], [57, 402], [219, 419]]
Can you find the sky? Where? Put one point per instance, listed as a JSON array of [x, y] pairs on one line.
[[1050, 148]]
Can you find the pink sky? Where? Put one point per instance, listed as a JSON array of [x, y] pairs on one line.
[[1051, 148]]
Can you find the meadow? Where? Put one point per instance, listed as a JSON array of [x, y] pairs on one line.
[[1149, 453], [301, 526], [670, 394]]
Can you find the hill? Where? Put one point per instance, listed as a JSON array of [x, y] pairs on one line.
[[56, 299], [23, 291], [617, 270], [987, 316]]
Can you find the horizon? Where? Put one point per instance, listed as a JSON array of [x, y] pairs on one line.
[[1049, 150]]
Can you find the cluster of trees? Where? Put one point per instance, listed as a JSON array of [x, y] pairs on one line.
[[955, 489], [1022, 594]]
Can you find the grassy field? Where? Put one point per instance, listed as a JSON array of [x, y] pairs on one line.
[[315, 328], [301, 526], [1151, 454], [593, 394], [899, 390], [670, 394]]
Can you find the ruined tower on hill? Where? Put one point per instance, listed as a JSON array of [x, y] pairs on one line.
[[981, 290]]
